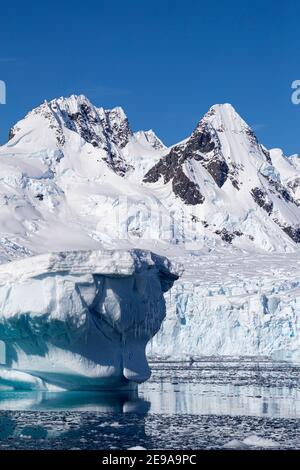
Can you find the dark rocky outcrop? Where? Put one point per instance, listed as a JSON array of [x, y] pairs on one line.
[[166, 167], [204, 142], [262, 199], [219, 170], [292, 232], [186, 189], [279, 190], [202, 146], [11, 133], [170, 168], [228, 236]]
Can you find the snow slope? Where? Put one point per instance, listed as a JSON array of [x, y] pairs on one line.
[[81, 320]]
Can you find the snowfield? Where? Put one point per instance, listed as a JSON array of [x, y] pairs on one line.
[[76, 178]]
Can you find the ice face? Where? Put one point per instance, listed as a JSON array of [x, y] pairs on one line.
[[233, 305], [2, 352], [81, 320]]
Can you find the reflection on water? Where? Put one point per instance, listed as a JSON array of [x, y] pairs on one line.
[[227, 399], [167, 398], [106, 402], [180, 407]]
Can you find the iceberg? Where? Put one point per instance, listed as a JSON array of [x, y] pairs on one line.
[[81, 320]]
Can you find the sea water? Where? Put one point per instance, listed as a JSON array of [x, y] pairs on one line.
[[209, 404]]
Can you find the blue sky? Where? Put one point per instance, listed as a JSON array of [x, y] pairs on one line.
[[166, 62]]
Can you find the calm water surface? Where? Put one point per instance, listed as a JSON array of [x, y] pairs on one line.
[[204, 405]]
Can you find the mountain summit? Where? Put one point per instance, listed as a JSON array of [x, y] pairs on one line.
[[75, 176]]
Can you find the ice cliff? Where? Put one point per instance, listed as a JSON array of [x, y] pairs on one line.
[[81, 320], [233, 304]]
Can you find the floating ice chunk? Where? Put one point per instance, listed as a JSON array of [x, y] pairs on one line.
[[251, 441], [257, 441], [136, 448], [81, 320], [235, 444]]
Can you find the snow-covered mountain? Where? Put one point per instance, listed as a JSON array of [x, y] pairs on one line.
[[63, 171], [74, 176], [230, 179]]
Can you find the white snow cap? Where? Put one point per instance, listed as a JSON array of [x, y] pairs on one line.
[[77, 161], [225, 116]]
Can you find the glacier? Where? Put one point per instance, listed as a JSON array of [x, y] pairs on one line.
[[232, 304], [81, 320]]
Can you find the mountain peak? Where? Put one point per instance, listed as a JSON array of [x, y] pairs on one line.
[[72, 99], [118, 112], [149, 137], [224, 117], [71, 104], [232, 187]]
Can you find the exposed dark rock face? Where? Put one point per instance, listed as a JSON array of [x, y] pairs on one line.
[[235, 183], [279, 190], [12, 133], [225, 235], [205, 143], [285, 194], [118, 130], [203, 146], [251, 135], [170, 168], [83, 122], [267, 154], [293, 233], [186, 189], [228, 236], [219, 170], [104, 129], [166, 167], [262, 199]]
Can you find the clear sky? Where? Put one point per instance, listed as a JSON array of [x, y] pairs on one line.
[[166, 62]]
